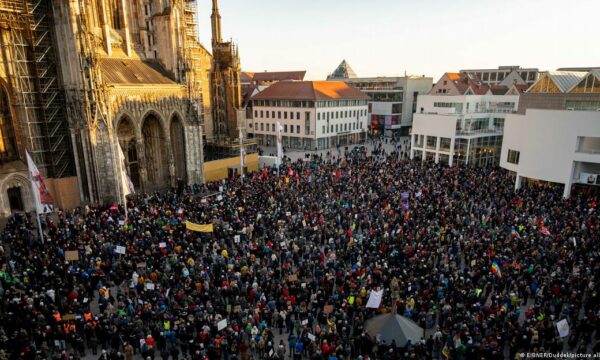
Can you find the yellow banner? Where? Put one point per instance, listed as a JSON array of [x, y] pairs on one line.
[[198, 228]]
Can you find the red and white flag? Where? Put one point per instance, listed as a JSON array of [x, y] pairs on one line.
[[126, 183], [544, 230], [43, 200]]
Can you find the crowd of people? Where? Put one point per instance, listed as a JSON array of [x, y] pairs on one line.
[[292, 258]]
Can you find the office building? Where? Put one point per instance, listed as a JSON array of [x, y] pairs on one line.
[[555, 137], [461, 121], [313, 114], [392, 100]]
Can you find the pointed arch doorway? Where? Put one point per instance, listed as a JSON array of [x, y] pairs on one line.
[[178, 146]]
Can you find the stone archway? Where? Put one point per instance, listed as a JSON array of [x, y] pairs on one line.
[[14, 186], [178, 145], [128, 143], [155, 153]]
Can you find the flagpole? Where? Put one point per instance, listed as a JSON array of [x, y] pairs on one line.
[[37, 212], [125, 204], [279, 147], [241, 155]]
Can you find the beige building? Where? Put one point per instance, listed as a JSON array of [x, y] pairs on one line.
[[95, 76]]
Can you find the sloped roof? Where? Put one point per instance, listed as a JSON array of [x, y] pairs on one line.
[[464, 82], [311, 90], [499, 89], [586, 69], [453, 76], [343, 71], [565, 80], [521, 87], [130, 71], [246, 76], [269, 76], [594, 72]]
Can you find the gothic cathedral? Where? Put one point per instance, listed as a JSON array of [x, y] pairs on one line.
[[83, 80]]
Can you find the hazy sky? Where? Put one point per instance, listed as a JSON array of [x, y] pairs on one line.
[[389, 37]]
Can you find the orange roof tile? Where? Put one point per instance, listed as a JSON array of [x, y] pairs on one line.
[[311, 90], [453, 76]]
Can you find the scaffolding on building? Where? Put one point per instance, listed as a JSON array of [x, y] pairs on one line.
[[193, 57], [34, 78]]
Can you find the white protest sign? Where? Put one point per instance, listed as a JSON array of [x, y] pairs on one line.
[[222, 324], [236, 238], [162, 245], [121, 222], [311, 337], [219, 198], [120, 250], [563, 328], [304, 322], [375, 299], [149, 286]]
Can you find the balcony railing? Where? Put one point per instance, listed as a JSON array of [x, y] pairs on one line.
[[480, 131]]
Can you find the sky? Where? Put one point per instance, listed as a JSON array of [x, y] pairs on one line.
[[419, 37]]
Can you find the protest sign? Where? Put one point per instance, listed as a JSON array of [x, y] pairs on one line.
[[71, 255], [375, 299]]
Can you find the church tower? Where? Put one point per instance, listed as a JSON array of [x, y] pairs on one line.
[[226, 92], [216, 24]]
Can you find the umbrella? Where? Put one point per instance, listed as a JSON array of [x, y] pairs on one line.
[[390, 327]]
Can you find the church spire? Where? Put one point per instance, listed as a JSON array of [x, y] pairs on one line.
[[216, 23]]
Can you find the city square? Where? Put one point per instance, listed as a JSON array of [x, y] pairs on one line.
[[159, 201]]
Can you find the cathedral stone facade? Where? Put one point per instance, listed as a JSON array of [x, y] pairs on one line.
[[132, 72], [116, 75]]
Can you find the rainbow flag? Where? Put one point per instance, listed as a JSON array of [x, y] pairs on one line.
[[496, 270], [515, 233], [504, 307]]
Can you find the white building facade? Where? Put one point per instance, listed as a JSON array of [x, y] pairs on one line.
[[555, 137], [557, 146], [392, 101], [460, 129], [313, 115]]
